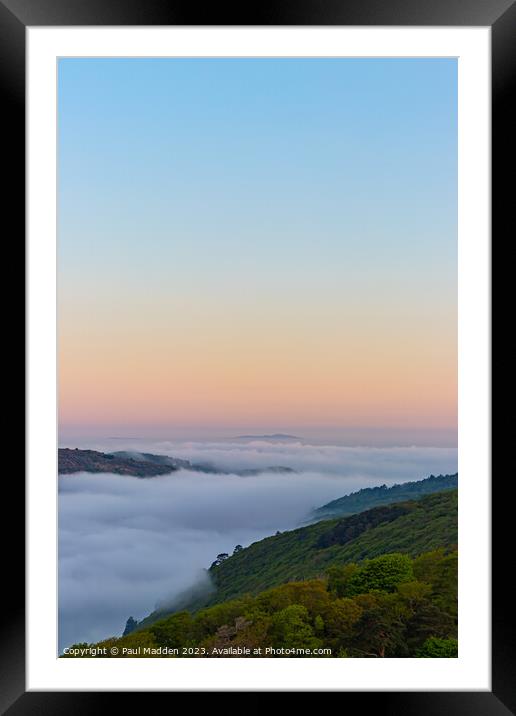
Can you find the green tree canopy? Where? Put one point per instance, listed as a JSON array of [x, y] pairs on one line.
[[438, 648], [291, 628], [383, 574]]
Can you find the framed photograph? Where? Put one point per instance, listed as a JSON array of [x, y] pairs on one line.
[[258, 367]]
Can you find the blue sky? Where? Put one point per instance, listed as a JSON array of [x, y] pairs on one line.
[[257, 148]]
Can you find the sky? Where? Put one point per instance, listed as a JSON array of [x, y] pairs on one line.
[[258, 245]]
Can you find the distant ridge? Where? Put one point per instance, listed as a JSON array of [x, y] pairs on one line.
[[75, 460], [144, 464], [374, 496], [274, 436]]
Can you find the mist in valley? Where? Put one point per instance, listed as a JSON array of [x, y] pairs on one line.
[[127, 545]]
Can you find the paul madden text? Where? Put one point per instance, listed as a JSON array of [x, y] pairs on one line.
[[164, 651]]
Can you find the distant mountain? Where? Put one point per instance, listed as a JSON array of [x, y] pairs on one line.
[[174, 462], [373, 496], [145, 464], [275, 436]]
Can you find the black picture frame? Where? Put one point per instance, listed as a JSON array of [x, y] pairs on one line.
[[500, 16]]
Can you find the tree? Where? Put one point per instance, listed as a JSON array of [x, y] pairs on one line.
[[174, 632], [340, 620], [319, 624], [383, 574], [220, 558], [208, 620], [380, 630], [436, 648], [290, 629], [440, 571], [426, 622], [339, 577], [310, 594], [414, 593], [238, 548]]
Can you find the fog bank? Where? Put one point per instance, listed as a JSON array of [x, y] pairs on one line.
[[127, 544]]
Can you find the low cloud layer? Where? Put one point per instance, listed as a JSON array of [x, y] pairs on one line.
[[127, 544], [398, 463]]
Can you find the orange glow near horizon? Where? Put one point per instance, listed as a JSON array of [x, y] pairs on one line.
[[182, 369]]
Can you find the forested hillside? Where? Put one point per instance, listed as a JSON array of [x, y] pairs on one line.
[[378, 583], [411, 527], [389, 606]]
